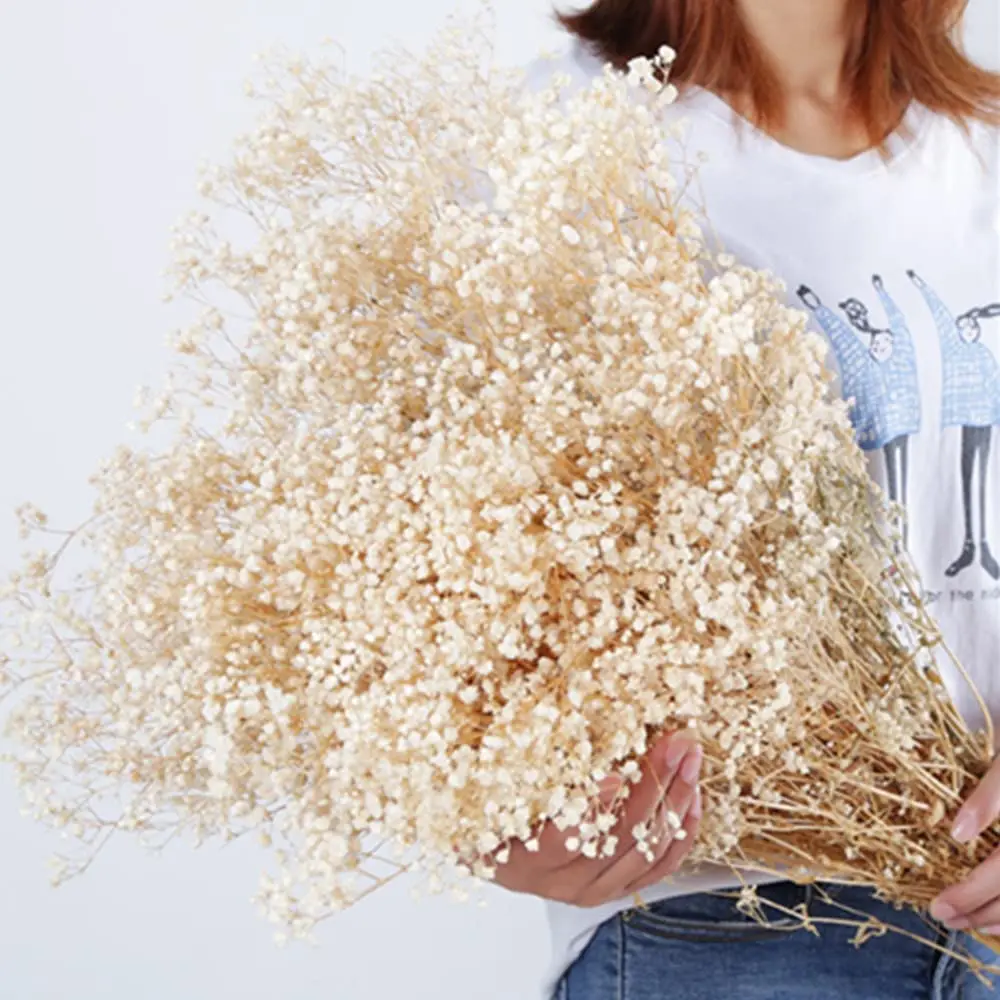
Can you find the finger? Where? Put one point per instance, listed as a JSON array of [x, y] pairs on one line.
[[684, 788], [548, 847], [546, 862], [980, 887], [659, 768], [679, 800], [678, 850], [550, 868], [629, 864], [664, 784], [986, 918], [981, 808]]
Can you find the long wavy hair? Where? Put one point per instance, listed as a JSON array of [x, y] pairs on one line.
[[901, 51]]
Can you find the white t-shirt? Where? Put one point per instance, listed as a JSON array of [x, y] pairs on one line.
[[899, 263]]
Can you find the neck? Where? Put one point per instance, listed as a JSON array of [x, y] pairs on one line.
[[806, 42]]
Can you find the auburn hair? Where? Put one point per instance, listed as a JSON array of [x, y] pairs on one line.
[[900, 51]]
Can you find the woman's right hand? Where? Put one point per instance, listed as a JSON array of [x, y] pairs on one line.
[[669, 783]]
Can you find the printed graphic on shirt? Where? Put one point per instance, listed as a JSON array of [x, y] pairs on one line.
[[862, 379], [970, 399], [879, 373]]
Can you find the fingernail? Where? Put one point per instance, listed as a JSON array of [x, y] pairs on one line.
[[691, 766], [943, 912], [675, 753], [992, 931], [965, 827], [696, 804]]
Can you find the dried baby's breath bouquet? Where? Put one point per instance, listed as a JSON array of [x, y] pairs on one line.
[[487, 471]]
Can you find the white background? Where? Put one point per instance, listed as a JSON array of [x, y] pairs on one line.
[[106, 106]]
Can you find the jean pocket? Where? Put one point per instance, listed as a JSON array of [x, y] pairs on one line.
[[711, 918]]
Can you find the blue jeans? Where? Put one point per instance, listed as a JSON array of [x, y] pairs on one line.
[[701, 947]]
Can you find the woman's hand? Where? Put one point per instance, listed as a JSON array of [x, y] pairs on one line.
[[669, 784], [975, 902]]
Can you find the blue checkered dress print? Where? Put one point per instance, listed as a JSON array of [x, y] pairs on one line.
[[902, 409], [970, 374], [861, 379]]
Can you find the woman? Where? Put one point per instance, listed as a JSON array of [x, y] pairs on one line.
[[843, 139]]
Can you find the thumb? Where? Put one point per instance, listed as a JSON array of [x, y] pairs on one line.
[[980, 809]]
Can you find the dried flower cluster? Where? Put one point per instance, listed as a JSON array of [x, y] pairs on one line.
[[487, 471]]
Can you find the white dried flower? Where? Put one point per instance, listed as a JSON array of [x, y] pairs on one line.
[[497, 487]]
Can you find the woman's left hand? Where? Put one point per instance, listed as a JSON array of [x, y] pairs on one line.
[[974, 904]]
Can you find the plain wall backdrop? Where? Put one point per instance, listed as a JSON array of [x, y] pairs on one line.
[[107, 107]]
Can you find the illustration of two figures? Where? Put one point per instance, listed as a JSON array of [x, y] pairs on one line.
[[878, 370]]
